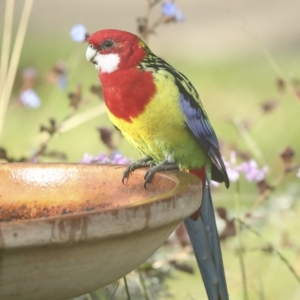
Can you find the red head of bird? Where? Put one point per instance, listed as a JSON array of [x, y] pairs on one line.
[[112, 50], [126, 88]]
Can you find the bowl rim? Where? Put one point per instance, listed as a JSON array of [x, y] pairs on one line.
[[186, 186]]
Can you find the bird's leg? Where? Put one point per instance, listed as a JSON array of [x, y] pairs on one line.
[[164, 166], [141, 163]]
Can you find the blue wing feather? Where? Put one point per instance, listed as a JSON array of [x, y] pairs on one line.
[[198, 123]]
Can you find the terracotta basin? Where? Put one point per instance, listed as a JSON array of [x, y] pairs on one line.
[[68, 229]]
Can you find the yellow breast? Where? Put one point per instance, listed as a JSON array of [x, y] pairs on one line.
[[160, 131]]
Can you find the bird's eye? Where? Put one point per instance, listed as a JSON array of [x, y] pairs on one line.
[[107, 44]]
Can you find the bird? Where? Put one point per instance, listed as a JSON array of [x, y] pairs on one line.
[[159, 112]]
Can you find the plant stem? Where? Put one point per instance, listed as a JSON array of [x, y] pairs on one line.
[[274, 251], [142, 281], [6, 40], [69, 123], [240, 241], [82, 118], [265, 195], [115, 291], [261, 289], [248, 139], [150, 29], [89, 297], [126, 288], [14, 62], [266, 53]]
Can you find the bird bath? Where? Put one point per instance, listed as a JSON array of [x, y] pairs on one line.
[[68, 229]]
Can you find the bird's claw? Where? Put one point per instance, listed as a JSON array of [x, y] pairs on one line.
[[164, 166], [148, 176], [125, 176], [147, 161]]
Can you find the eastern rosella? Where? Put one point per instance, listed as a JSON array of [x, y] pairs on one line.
[[159, 112]]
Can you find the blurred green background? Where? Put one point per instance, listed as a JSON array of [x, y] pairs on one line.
[[224, 48]]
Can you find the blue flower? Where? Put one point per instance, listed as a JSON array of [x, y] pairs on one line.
[[78, 33], [30, 98], [169, 9]]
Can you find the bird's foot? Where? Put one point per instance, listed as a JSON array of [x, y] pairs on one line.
[[164, 166], [141, 163]]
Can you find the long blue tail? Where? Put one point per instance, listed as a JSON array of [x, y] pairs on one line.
[[205, 241]]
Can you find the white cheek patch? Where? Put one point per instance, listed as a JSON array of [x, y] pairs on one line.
[[107, 63]]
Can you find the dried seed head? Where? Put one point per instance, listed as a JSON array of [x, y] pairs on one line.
[[287, 156], [280, 83], [97, 90], [263, 186], [106, 136], [269, 105]]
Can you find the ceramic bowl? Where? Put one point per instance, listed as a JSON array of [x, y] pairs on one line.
[[68, 229]]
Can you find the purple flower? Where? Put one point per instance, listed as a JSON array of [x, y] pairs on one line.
[[30, 98], [59, 72], [169, 9], [233, 171], [252, 172], [298, 173], [62, 81], [29, 74], [215, 183], [102, 158], [87, 158], [78, 33], [250, 169], [118, 158]]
